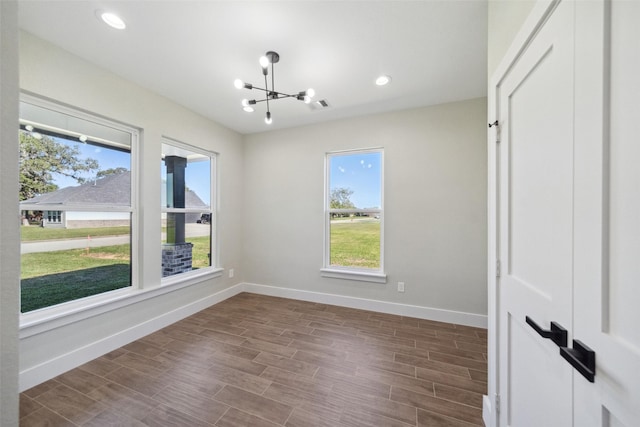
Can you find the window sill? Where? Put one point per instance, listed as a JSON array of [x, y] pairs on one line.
[[360, 275], [46, 319]]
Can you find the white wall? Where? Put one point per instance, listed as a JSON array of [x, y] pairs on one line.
[[51, 72], [435, 206], [505, 17], [9, 232]]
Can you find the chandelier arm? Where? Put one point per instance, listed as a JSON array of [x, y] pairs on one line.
[[268, 95], [259, 88], [280, 94]]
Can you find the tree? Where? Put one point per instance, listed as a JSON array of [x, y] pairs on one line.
[[111, 171], [341, 198], [42, 157]]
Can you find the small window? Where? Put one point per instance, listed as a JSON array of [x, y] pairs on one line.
[[354, 211], [188, 220], [75, 203]]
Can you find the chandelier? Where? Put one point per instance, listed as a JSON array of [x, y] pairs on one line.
[[270, 94]]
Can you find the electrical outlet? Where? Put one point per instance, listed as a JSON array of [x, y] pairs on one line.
[[400, 286], [230, 273]]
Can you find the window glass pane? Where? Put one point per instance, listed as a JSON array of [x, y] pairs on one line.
[[75, 203], [60, 264], [187, 218], [354, 202], [355, 240], [355, 180]]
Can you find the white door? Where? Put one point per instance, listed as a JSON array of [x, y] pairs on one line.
[[536, 225], [569, 220], [607, 271]]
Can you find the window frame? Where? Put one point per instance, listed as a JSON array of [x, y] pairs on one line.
[[213, 192], [56, 311], [348, 272]]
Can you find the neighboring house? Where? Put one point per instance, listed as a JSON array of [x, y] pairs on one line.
[[66, 207]]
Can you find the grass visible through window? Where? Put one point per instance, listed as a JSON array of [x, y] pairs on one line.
[[51, 278], [355, 243]]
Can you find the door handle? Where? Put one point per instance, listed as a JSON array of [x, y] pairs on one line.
[[557, 333], [582, 358]]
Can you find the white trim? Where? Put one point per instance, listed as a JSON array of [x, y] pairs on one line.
[[351, 274], [54, 367], [487, 411], [43, 320], [428, 313], [354, 272], [529, 29]]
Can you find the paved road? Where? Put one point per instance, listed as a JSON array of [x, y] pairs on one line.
[[63, 245], [192, 230]]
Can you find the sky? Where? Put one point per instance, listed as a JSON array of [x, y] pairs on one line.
[[359, 172], [108, 159]]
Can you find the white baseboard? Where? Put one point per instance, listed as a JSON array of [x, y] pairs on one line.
[[61, 364], [58, 365], [486, 411], [419, 312]]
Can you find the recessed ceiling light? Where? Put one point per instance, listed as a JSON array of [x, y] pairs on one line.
[[112, 20], [383, 80]]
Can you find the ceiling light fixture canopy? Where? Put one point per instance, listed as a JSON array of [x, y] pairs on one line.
[[271, 94]]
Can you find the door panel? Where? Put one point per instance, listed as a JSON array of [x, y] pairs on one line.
[[534, 373], [536, 224], [568, 219], [607, 270]]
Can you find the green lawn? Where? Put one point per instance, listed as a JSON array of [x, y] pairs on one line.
[[50, 278], [33, 233], [355, 243]]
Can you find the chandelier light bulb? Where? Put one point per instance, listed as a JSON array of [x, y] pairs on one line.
[[248, 109], [264, 61], [245, 102], [310, 93], [383, 80], [113, 20], [239, 84], [268, 119], [307, 99]]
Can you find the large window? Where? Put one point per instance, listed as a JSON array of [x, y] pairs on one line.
[[75, 203], [188, 220], [354, 214]]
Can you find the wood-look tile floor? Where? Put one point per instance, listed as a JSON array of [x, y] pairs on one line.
[[261, 361]]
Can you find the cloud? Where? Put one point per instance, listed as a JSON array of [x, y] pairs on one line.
[[341, 169], [369, 166]]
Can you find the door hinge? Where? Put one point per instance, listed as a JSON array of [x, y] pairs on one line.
[[496, 124], [497, 404], [497, 268]]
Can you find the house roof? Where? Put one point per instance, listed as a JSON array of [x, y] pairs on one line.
[[111, 190]]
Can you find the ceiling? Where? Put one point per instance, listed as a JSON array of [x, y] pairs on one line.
[[192, 51]]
